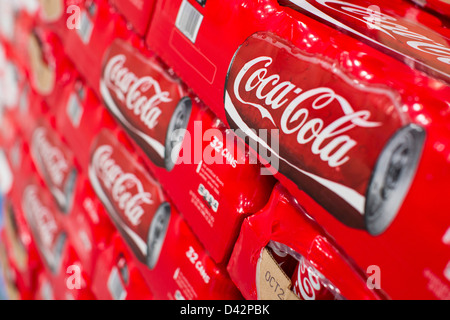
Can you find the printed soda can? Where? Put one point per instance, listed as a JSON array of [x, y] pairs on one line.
[[346, 144], [133, 199], [148, 101]]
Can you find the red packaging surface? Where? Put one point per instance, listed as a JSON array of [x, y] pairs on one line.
[[137, 12], [61, 16], [85, 44], [45, 223], [79, 116], [361, 114], [68, 278], [152, 227], [44, 289], [117, 276], [165, 120], [38, 51], [438, 6], [192, 275], [71, 282], [281, 231], [88, 226]]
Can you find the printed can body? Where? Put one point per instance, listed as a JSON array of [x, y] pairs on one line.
[[54, 161], [47, 230], [147, 101], [133, 199], [309, 284], [347, 144]]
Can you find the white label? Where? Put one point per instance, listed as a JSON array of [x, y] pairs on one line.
[[86, 27], [189, 20], [115, 287], [74, 110]]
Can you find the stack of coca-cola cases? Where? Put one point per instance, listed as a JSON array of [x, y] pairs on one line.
[[228, 149]]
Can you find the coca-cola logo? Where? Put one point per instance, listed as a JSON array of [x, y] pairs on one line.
[[53, 159], [308, 284], [325, 118], [428, 45], [140, 95], [267, 92], [125, 189], [41, 216]]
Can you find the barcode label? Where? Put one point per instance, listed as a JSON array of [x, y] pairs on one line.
[[115, 286], [74, 110], [208, 197], [86, 27], [189, 20]]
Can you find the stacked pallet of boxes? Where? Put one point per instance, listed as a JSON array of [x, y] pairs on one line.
[[224, 149]]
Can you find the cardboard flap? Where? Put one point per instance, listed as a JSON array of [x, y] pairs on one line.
[[52, 10], [271, 282]]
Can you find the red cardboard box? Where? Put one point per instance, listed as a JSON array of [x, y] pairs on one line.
[[363, 181], [152, 227], [438, 6], [89, 228], [278, 244], [87, 41], [117, 276], [137, 12], [164, 119]]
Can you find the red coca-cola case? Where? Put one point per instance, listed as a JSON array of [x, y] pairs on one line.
[[282, 253], [38, 52], [152, 227], [45, 223], [165, 119], [217, 195], [117, 276], [44, 289], [193, 275], [137, 12], [88, 226], [79, 117], [68, 277], [358, 117], [99, 24]]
